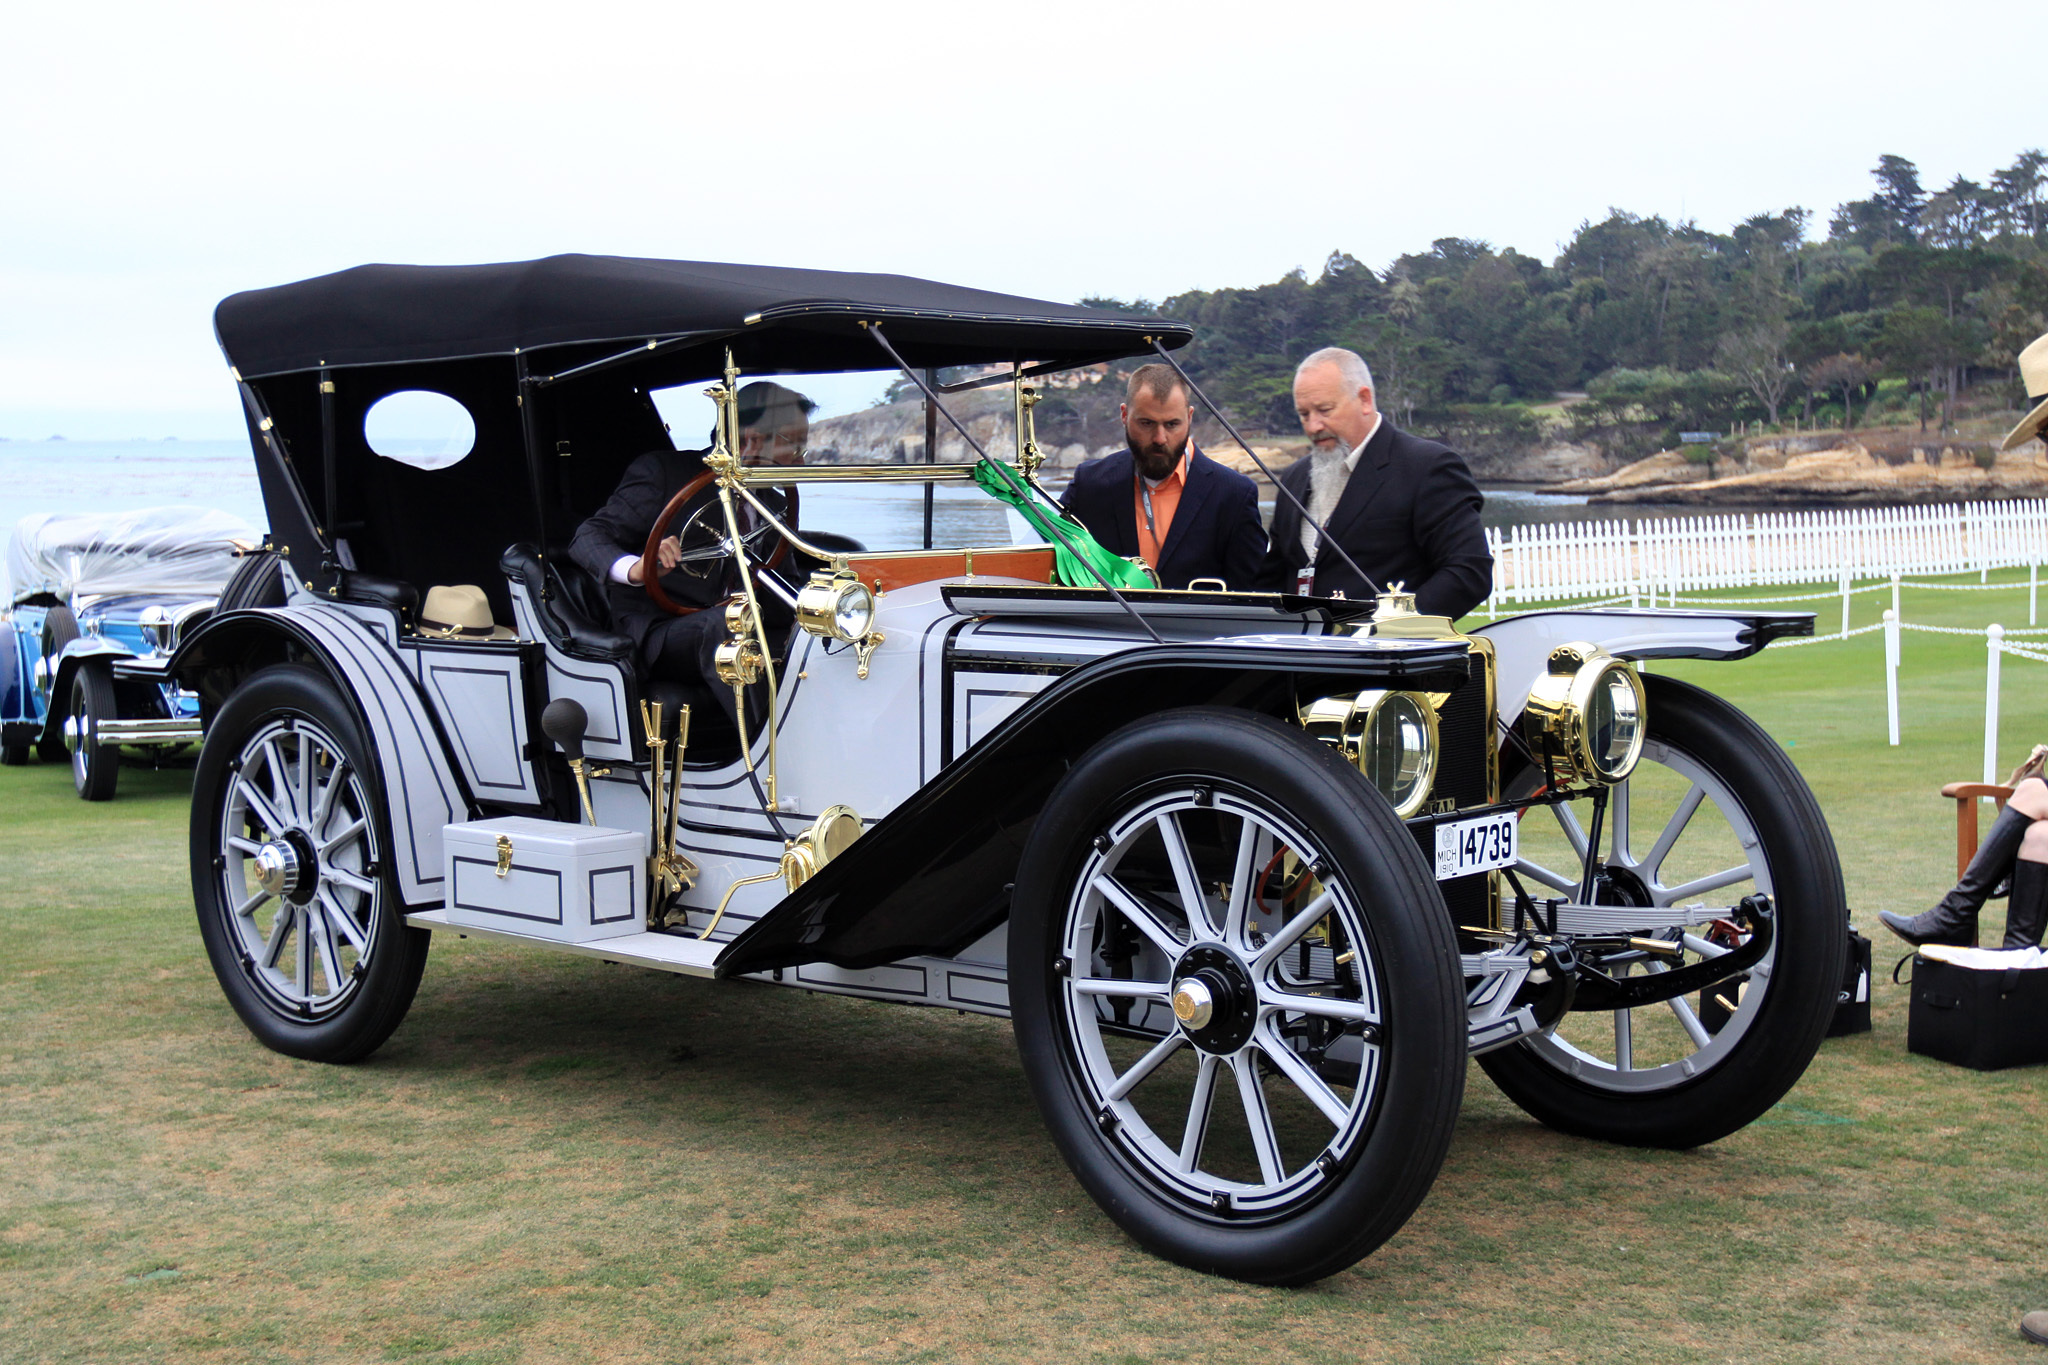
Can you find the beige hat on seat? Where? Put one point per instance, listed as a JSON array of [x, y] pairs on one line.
[[460, 612], [2034, 374]]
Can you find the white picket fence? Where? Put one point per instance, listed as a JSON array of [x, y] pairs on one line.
[[1661, 557]]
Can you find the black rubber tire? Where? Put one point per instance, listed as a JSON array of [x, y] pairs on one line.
[[60, 628], [13, 755], [95, 767], [1390, 1166], [383, 982], [1808, 959]]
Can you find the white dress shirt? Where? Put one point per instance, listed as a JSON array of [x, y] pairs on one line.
[[1326, 489]]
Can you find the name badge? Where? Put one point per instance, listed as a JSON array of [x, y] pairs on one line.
[[1305, 580]]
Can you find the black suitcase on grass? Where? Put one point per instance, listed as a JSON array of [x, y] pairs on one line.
[[1985, 1020], [1852, 1003]]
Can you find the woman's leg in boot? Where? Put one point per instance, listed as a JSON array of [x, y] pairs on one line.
[[2026, 914], [1953, 920]]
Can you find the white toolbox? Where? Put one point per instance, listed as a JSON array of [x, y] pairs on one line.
[[546, 879]]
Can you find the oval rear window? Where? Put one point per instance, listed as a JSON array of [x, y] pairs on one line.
[[421, 428]]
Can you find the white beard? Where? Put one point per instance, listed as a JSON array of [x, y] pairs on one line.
[[1326, 479]]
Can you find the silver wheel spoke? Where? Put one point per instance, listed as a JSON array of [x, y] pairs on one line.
[[1322, 1006], [347, 832], [302, 960], [1712, 882], [1568, 821], [1109, 985], [336, 779], [1192, 901], [1290, 933], [1688, 804], [1257, 1117], [1696, 944], [280, 933], [251, 905], [351, 880], [266, 813], [1139, 914], [1555, 881], [1146, 1065], [1624, 1040], [339, 918], [330, 960], [1204, 1100], [247, 847], [1239, 907], [1690, 1022], [1618, 803], [279, 773], [304, 799], [1306, 1081]]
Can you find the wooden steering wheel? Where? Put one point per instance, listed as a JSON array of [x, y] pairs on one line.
[[650, 557]]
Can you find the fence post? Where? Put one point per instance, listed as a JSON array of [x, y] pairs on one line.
[[1994, 645], [1891, 673], [1845, 604], [2033, 589], [1895, 599]]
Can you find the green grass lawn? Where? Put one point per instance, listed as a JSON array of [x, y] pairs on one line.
[[557, 1160]]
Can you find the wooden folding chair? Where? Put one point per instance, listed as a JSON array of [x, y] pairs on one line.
[[1966, 795]]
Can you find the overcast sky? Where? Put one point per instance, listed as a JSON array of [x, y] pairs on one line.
[[155, 157]]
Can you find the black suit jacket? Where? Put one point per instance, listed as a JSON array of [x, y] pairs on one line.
[[620, 527], [1215, 532], [1409, 513]]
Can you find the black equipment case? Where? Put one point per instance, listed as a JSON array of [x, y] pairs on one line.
[[1979, 1018]]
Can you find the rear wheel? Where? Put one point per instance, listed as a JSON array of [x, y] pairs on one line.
[[296, 906], [1235, 994], [1714, 812], [95, 767], [60, 628]]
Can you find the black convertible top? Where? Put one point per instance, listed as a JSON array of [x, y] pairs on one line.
[[397, 314]]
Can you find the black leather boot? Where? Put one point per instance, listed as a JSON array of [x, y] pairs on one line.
[[1953, 920], [2026, 914]]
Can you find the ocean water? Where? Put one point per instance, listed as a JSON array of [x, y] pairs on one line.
[[112, 476]]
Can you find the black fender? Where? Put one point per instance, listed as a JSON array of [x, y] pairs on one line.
[[935, 873], [80, 652], [422, 785]]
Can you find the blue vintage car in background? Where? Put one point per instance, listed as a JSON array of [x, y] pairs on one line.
[[96, 604]]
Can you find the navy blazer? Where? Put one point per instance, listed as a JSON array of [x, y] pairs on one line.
[[1409, 513], [1215, 533]]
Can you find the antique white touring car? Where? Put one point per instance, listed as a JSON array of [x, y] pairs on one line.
[[1252, 874]]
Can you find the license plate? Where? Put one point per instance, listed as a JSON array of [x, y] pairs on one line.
[[1476, 845]]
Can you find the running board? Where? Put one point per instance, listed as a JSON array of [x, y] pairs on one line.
[[662, 952]]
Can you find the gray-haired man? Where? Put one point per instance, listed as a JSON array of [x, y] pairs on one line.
[[1405, 509]]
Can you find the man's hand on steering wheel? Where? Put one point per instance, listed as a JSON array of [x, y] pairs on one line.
[[669, 553]]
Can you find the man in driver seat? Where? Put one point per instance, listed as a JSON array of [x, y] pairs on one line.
[[774, 424]]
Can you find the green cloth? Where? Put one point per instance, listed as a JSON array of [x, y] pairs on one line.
[[1068, 566]]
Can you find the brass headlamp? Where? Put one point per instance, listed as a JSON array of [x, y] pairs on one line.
[[836, 606], [1390, 736], [1586, 717]]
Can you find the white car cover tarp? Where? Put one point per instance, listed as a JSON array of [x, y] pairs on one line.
[[152, 549]]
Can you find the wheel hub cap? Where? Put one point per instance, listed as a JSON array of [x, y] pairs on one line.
[[279, 869], [1214, 1000]]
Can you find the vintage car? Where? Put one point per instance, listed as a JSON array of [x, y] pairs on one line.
[[97, 602], [1248, 872]]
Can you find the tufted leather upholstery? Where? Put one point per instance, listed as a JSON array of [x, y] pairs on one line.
[[570, 607]]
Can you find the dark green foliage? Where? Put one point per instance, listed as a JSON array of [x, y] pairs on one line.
[[1668, 326]]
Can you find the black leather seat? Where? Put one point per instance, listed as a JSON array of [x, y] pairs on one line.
[[572, 610]]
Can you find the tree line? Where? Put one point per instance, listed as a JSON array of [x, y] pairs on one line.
[[1664, 326]]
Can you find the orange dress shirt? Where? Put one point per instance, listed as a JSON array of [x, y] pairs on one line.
[[1165, 499]]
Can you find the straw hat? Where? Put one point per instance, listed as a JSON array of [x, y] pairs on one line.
[[2034, 373], [461, 612]]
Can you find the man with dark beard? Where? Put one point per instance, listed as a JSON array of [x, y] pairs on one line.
[[1164, 501], [1403, 508]]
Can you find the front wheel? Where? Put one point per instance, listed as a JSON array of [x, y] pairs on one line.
[[1235, 991], [95, 767], [297, 907], [1713, 812]]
